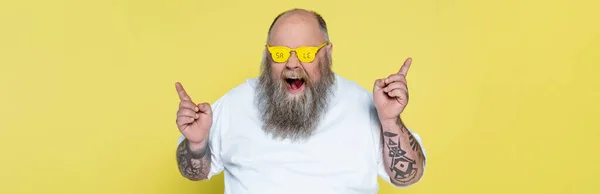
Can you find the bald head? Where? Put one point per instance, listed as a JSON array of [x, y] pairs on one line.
[[298, 24]]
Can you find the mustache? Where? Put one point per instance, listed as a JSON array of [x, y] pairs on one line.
[[295, 74]]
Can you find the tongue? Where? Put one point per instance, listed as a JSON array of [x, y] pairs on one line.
[[296, 84]]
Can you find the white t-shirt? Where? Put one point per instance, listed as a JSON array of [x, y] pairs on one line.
[[344, 155]]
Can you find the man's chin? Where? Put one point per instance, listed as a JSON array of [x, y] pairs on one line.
[[293, 97]]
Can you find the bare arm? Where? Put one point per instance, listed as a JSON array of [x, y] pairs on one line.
[[402, 154], [194, 122], [194, 163]]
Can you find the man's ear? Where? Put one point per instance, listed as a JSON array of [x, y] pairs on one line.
[[329, 49]]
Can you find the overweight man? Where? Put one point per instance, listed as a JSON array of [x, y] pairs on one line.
[[299, 127]]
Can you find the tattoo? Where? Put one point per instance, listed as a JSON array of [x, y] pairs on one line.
[[414, 143], [401, 165], [401, 124], [193, 165]]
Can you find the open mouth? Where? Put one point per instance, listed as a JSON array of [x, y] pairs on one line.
[[295, 84]]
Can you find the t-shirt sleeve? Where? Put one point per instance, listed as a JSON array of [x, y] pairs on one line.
[[378, 139], [220, 114]]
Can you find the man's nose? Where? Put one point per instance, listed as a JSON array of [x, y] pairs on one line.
[[293, 61]]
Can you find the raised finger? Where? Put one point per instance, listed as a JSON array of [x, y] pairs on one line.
[[181, 92], [404, 69]]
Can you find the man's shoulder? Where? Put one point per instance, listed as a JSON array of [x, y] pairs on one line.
[[240, 91], [351, 93], [245, 88], [351, 88]]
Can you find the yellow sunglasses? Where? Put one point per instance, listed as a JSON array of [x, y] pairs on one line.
[[305, 54]]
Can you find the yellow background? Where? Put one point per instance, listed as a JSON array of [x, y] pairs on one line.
[[503, 93]]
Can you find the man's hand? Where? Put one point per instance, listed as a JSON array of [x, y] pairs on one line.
[[390, 94], [193, 120]]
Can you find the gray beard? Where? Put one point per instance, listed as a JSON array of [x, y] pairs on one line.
[[293, 118]]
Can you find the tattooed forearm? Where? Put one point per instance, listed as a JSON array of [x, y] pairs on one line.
[[193, 165], [402, 166], [402, 154]]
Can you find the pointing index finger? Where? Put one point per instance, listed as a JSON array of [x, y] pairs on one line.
[[181, 92], [405, 67]]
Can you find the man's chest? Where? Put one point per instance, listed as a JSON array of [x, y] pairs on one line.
[[342, 145]]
